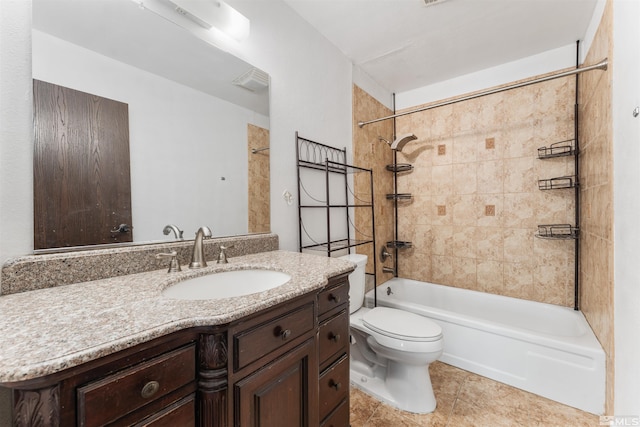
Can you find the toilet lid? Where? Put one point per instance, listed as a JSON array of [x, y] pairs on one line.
[[401, 324]]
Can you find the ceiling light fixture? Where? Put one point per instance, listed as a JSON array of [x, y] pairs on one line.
[[215, 14], [432, 2]]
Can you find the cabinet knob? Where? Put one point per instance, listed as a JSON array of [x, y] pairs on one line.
[[150, 389], [335, 385], [334, 337], [334, 298], [285, 334]]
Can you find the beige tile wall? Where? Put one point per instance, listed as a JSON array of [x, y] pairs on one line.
[[596, 177], [369, 152], [259, 202], [476, 202]]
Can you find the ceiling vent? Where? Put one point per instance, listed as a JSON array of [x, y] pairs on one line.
[[254, 80]]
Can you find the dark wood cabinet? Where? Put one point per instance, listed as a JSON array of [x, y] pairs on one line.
[[281, 393], [181, 413], [111, 398], [333, 353], [281, 367]]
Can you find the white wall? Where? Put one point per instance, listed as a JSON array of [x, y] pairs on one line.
[[16, 147], [626, 159], [373, 88], [182, 141], [310, 92]]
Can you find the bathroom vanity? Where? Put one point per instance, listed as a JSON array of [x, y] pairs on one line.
[[277, 358]]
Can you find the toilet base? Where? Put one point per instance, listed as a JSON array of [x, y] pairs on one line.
[[418, 398]]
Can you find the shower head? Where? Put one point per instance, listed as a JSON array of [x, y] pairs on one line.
[[399, 143]]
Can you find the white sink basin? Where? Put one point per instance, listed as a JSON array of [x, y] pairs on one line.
[[226, 284]]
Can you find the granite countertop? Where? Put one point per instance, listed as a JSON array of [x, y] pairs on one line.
[[48, 330]]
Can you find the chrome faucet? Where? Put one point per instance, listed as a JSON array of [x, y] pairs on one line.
[[175, 229], [197, 257]]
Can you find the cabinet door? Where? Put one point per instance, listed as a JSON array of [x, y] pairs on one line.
[[283, 393]]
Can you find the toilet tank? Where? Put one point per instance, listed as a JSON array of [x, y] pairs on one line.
[[356, 281]]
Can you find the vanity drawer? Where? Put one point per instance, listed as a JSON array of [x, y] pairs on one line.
[[339, 417], [181, 413], [334, 386], [333, 297], [104, 401], [252, 344], [333, 336]]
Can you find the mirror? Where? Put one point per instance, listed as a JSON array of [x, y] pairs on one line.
[[198, 142]]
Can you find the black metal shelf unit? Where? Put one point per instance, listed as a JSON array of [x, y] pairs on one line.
[[560, 149], [557, 231], [558, 183], [566, 148], [332, 163], [398, 199]]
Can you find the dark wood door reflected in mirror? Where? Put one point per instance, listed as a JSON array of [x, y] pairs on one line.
[[82, 185]]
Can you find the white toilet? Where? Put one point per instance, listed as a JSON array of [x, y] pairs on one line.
[[391, 349]]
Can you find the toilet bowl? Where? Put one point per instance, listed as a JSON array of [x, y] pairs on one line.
[[391, 349]]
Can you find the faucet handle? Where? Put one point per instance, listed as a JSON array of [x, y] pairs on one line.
[[222, 256], [174, 265]]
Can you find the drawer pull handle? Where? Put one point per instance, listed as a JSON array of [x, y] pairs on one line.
[[334, 298], [335, 385], [334, 337], [150, 389], [285, 334]]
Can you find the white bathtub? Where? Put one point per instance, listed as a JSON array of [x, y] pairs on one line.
[[542, 348]]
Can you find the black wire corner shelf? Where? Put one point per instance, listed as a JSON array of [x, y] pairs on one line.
[[399, 196], [558, 183], [558, 232], [400, 167], [558, 149], [332, 162], [399, 244], [336, 245]]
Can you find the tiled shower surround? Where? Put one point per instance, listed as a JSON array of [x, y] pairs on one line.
[[369, 152], [476, 203]]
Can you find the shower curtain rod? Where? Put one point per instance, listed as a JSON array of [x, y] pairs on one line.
[[602, 65]]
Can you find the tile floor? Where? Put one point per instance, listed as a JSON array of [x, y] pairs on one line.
[[466, 399]]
